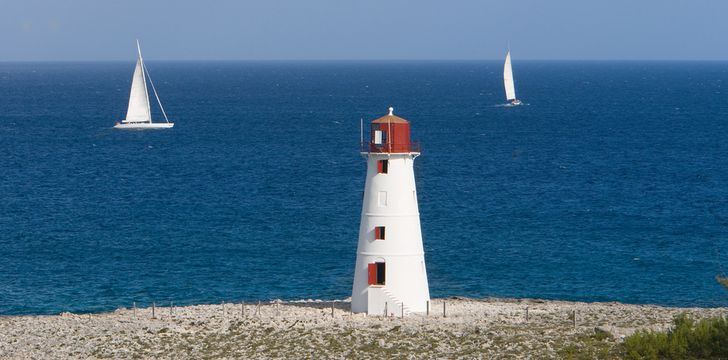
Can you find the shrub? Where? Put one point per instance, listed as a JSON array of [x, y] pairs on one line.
[[722, 280], [705, 339]]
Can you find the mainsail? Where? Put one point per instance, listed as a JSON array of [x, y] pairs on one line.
[[138, 110], [508, 78]]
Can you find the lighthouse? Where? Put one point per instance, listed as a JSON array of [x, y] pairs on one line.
[[390, 275]]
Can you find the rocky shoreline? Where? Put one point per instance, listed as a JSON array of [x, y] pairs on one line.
[[472, 328]]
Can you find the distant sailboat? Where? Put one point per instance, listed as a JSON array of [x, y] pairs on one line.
[[508, 81], [139, 114]]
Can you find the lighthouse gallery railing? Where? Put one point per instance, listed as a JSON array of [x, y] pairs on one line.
[[389, 148]]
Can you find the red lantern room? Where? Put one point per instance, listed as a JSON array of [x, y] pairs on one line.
[[391, 134]]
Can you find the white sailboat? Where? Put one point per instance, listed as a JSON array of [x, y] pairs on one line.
[[508, 81], [139, 114]]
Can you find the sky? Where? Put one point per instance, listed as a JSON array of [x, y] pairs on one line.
[[93, 30]]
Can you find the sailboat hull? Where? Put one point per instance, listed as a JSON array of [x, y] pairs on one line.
[[142, 126]]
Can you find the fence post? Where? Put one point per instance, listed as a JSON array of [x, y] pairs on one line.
[[403, 310], [385, 309], [171, 307], [526, 313], [278, 308], [223, 309], [242, 309], [428, 307], [573, 314], [332, 309], [444, 311], [134, 306], [153, 308], [257, 311]]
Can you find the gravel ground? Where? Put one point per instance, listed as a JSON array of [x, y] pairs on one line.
[[487, 328]]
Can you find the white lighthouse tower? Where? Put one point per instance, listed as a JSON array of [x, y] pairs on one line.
[[390, 273]]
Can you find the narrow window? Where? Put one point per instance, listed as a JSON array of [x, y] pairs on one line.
[[382, 166], [379, 233], [382, 198], [376, 273]]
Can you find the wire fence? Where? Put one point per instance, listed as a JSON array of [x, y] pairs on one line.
[[340, 308]]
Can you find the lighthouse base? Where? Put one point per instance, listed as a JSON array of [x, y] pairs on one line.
[[381, 302], [405, 290]]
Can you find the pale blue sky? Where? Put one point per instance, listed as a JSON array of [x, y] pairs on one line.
[[363, 29]]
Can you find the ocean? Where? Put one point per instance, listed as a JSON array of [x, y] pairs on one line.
[[610, 184]]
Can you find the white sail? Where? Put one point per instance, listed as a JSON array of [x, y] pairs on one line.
[[138, 110], [508, 78], [139, 114]]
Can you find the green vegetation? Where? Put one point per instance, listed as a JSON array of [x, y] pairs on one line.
[[722, 280], [599, 345], [705, 339]]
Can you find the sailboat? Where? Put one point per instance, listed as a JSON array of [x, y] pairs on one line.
[[508, 81], [139, 114]]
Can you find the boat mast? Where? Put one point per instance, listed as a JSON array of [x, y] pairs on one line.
[[146, 91]]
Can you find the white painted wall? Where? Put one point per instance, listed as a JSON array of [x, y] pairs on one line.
[[402, 251]]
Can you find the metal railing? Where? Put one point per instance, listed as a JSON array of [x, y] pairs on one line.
[[371, 147]]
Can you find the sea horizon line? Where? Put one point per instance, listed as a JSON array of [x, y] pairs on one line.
[[368, 61]]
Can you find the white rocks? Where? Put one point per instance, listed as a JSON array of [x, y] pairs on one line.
[[472, 328]]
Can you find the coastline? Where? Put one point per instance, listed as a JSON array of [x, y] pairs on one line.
[[500, 328]]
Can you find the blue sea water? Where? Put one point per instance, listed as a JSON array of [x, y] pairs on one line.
[[611, 184]]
